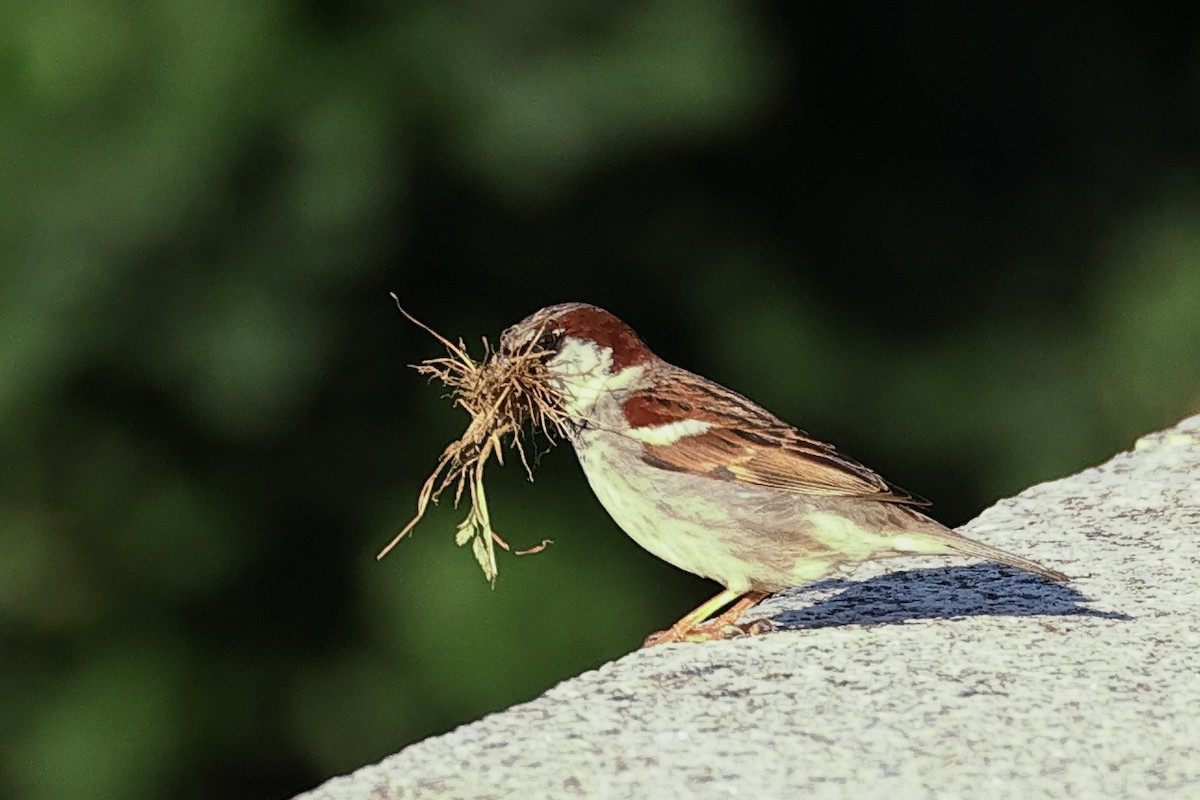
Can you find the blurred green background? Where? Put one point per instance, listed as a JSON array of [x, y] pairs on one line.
[[963, 242]]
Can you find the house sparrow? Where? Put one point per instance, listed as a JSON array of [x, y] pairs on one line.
[[716, 485]]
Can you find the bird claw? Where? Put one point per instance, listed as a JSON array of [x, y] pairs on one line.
[[710, 631]]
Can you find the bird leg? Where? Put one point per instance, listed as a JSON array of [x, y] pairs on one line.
[[696, 627]]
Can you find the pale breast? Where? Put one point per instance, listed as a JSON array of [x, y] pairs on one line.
[[673, 520], [744, 537]]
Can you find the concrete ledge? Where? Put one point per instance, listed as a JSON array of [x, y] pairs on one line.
[[915, 679]]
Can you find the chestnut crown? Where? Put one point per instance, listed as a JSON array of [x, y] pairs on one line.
[[550, 327]]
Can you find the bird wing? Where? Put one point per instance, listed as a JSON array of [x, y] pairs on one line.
[[697, 427]]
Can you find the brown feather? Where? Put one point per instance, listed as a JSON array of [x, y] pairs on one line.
[[750, 445]]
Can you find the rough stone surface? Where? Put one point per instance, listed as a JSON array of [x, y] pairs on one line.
[[917, 678]]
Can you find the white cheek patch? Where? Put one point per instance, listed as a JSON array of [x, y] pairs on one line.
[[582, 370], [577, 359], [671, 432]]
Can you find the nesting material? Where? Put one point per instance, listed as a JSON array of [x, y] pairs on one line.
[[509, 396]]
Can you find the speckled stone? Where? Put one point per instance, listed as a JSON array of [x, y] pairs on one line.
[[913, 679]]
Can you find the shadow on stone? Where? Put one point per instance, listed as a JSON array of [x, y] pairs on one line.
[[939, 593]]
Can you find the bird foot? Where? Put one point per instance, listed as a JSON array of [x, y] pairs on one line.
[[712, 630]]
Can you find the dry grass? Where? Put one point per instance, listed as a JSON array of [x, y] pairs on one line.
[[506, 396]]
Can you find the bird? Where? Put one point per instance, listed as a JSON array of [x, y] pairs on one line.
[[714, 484]]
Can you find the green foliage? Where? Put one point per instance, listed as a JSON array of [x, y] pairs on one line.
[[966, 248]]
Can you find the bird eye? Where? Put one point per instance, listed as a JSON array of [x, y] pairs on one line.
[[550, 340]]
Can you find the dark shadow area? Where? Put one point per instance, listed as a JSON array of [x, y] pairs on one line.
[[939, 593]]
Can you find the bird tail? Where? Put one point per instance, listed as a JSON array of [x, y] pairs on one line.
[[969, 547], [932, 537]]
